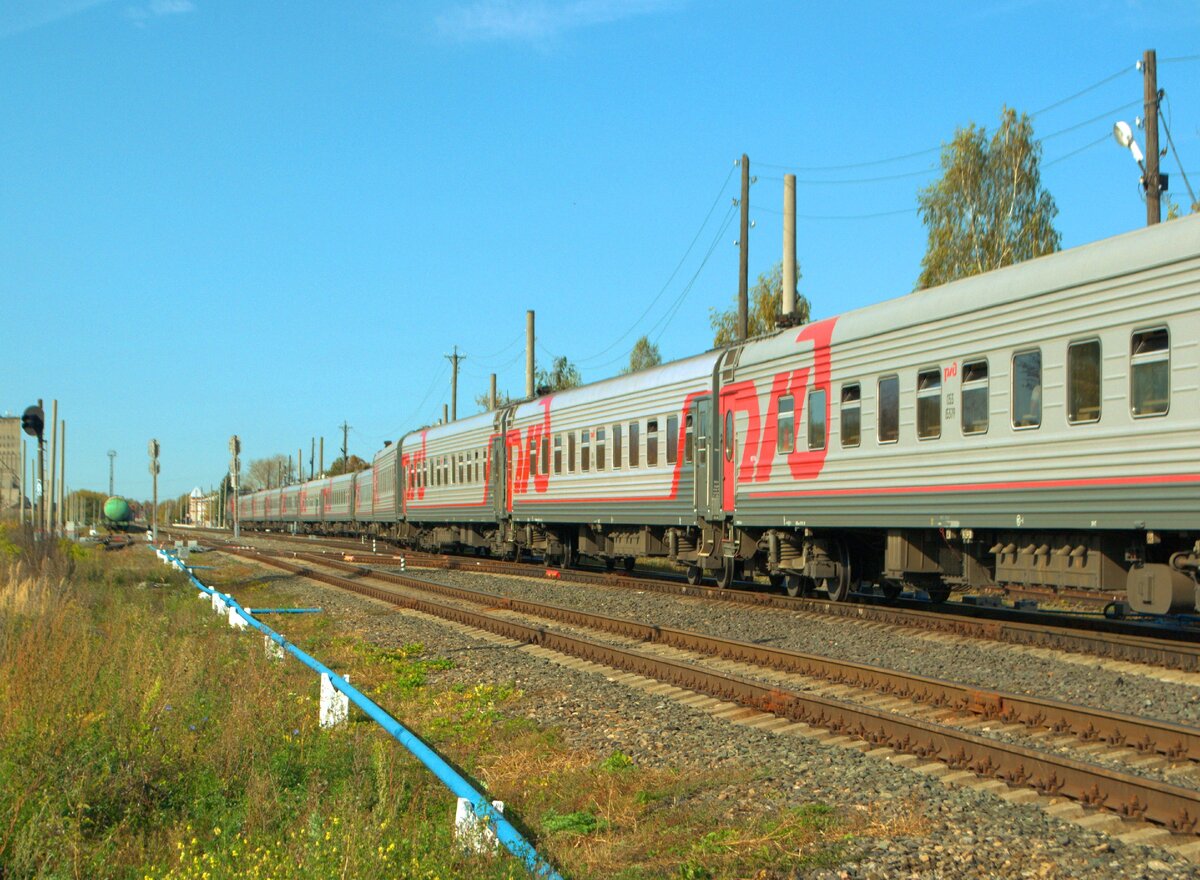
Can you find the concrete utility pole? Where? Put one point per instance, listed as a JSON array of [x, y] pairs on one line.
[[312, 456], [492, 393], [112, 458], [153, 450], [300, 463], [789, 248], [529, 361], [1151, 97], [445, 413], [345, 446], [52, 510], [743, 318], [23, 483], [322, 459], [62, 475], [454, 359]]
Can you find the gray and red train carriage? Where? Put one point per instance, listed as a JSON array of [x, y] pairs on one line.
[[1034, 426]]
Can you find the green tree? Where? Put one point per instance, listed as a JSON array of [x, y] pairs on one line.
[[562, 375], [344, 466], [645, 354], [989, 209], [765, 302], [502, 400]]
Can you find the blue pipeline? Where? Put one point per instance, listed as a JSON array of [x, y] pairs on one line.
[[283, 610], [512, 839]]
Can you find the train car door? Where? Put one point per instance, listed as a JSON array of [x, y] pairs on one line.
[[702, 482], [496, 477]]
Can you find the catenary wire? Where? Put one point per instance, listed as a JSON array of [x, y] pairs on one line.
[[674, 272]]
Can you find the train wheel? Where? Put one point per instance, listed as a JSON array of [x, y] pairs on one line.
[[892, 589], [609, 563], [794, 585], [627, 564], [694, 575], [776, 579], [839, 587], [939, 594], [727, 574]]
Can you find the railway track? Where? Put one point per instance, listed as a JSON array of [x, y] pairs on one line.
[[1170, 648], [880, 725]]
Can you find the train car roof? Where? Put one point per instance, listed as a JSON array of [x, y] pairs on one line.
[[698, 366], [1120, 255], [483, 420]]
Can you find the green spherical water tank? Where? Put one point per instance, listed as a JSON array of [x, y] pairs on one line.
[[117, 510]]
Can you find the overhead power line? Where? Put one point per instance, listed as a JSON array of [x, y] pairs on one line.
[[667, 283], [931, 150]]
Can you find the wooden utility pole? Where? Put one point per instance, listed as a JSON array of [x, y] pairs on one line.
[[454, 359], [743, 324], [312, 455], [1150, 96], [345, 446]]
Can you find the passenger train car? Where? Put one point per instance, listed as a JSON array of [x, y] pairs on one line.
[[1033, 426]]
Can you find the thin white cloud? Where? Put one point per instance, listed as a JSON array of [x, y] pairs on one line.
[[17, 16], [140, 14], [535, 21]]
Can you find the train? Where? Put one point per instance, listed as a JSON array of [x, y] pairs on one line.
[[1036, 426]]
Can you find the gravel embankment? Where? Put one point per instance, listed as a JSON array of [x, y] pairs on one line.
[[969, 834], [986, 666]]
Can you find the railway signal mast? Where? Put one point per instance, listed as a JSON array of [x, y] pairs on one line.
[[235, 448], [33, 423], [153, 450]]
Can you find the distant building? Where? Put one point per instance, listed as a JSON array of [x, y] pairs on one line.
[[200, 508], [10, 461]]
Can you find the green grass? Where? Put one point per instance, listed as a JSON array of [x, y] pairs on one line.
[[140, 736]]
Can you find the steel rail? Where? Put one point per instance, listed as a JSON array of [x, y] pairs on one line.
[[1172, 650], [1175, 741], [1131, 796]]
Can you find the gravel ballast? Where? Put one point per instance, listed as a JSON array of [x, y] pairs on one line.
[[969, 833]]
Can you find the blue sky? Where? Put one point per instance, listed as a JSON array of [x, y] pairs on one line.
[[266, 218]]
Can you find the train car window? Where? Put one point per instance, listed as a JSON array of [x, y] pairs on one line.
[[672, 439], [785, 437], [851, 416], [616, 446], [1083, 382], [634, 441], [728, 437], [889, 409], [584, 450], [558, 454], [570, 452], [600, 444], [816, 419], [1027, 389], [688, 443], [929, 404], [651, 442], [1150, 372], [545, 455], [975, 397]]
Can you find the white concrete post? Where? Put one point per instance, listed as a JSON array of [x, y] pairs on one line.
[[474, 833], [335, 706], [273, 648]]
